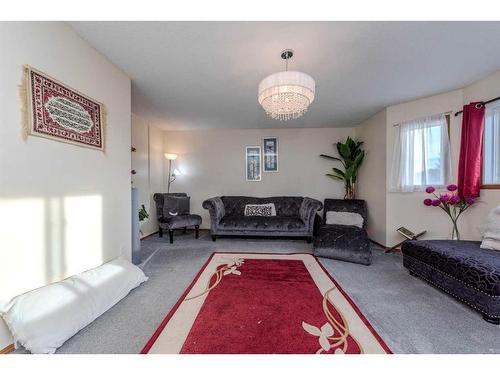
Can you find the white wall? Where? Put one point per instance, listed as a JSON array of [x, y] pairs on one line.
[[407, 208], [213, 164], [64, 208], [372, 174], [149, 163]]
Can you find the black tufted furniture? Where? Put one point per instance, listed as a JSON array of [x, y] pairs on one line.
[[294, 217], [460, 268], [167, 203], [344, 242]]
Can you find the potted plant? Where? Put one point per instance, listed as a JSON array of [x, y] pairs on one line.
[[451, 203], [143, 215], [351, 157]]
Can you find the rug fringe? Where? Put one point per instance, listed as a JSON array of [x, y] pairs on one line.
[[23, 97], [104, 125]]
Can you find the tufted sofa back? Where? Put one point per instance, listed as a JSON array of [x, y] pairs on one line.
[[285, 206]]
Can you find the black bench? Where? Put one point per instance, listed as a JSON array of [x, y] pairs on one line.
[[461, 269]]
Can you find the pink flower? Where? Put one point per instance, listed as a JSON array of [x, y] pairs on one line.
[[428, 202], [470, 200], [444, 198], [454, 200], [430, 189], [452, 187], [436, 202]]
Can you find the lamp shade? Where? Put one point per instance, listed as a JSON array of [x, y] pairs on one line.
[[170, 156], [286, 95]]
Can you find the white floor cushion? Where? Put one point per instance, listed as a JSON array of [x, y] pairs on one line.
[[43, 319]]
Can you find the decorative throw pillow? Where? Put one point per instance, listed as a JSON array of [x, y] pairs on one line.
[[491, 230], [490, 243], [173, 206], [267, 209], [344, 218]]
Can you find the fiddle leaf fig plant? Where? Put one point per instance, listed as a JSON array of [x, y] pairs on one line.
[[143, 214], [350, 156]]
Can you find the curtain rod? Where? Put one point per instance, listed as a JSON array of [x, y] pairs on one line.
[[444, 113], [483, 103]]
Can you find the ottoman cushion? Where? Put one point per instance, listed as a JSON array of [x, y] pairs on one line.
[[343, 242]]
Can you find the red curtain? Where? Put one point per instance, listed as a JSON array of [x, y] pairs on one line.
[[471, 147]]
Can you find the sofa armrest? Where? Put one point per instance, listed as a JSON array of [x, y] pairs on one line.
[[215, 207], [308, 210]]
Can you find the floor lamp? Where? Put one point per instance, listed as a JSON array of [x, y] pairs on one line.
[[171, 176]]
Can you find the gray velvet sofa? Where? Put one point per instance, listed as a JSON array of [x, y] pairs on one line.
[[459, 268], [344, 242], [294, 217]]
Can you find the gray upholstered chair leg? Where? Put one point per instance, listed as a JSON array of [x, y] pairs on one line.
[[196, 231], [214, 237], [160, 232], [171, 235]]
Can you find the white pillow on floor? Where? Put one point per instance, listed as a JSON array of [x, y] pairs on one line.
[[43, 319], [344, 218]]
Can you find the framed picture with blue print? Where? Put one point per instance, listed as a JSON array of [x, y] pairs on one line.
[[270, 146]]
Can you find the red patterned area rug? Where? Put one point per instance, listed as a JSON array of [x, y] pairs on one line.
[[265, 303]]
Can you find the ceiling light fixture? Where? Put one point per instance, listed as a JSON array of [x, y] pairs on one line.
[[286, 95]]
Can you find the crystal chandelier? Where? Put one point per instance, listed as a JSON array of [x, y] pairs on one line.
[[286, 95]]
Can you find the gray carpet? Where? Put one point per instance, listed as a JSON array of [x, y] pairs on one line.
[[410, 315]]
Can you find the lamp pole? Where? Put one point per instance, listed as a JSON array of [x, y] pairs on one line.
[[169, 175]]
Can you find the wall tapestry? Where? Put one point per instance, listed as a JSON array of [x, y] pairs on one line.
[[50, 109], [270, 154]]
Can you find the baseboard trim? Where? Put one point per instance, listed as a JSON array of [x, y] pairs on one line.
[[149, 235], [8, 349], [386, 248], [379, 244]]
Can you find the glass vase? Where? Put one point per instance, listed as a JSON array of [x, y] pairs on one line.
[[455, 234]]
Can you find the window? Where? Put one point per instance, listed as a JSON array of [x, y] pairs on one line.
[[491, 146], [421, 154]]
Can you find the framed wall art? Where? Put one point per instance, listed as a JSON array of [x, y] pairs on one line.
[[253, 163], [270, 156], [53, 110]]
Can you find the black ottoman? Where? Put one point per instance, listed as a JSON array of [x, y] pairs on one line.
[[461, 269]]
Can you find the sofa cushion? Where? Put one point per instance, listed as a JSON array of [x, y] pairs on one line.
[[173, 206], [180, 221], [261, 223], [285, 206], [344, 218], [346, 205], [462, 260]]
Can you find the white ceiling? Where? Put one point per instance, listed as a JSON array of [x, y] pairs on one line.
[[205, 74]]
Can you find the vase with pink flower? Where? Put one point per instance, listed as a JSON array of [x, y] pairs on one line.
[[451, 203]]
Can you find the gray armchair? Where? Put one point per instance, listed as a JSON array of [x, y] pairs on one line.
[[344, 242], [172, 211]]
